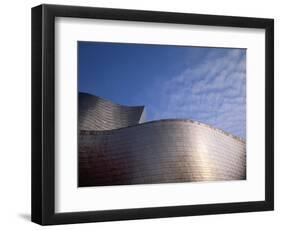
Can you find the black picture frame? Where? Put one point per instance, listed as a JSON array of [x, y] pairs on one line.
[[43, 114]]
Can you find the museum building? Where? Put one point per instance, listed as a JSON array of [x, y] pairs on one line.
[[117, 147]]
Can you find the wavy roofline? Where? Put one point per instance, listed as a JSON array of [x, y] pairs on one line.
[[167, 120], [111, 102]]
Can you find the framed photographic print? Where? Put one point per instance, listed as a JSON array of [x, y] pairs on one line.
[[136, 114]]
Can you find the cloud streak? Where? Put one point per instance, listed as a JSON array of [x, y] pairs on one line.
[[213, 92]]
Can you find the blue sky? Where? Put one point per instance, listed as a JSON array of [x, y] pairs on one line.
[[203, 84]]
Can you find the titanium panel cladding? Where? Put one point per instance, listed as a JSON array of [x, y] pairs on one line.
[[164, 151], [96, 113]]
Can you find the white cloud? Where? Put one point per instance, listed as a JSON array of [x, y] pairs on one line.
[[212, 92]]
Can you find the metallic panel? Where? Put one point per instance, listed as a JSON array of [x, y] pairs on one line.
[[96, 113], [163, 151]]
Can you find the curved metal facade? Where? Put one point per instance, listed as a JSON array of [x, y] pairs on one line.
[[164, 151], [96, 113]]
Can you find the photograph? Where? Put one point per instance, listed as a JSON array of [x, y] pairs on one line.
[[140, 114], [158, 113]]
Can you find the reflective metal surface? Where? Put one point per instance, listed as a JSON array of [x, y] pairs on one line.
[[96, 113], [164, 151]]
